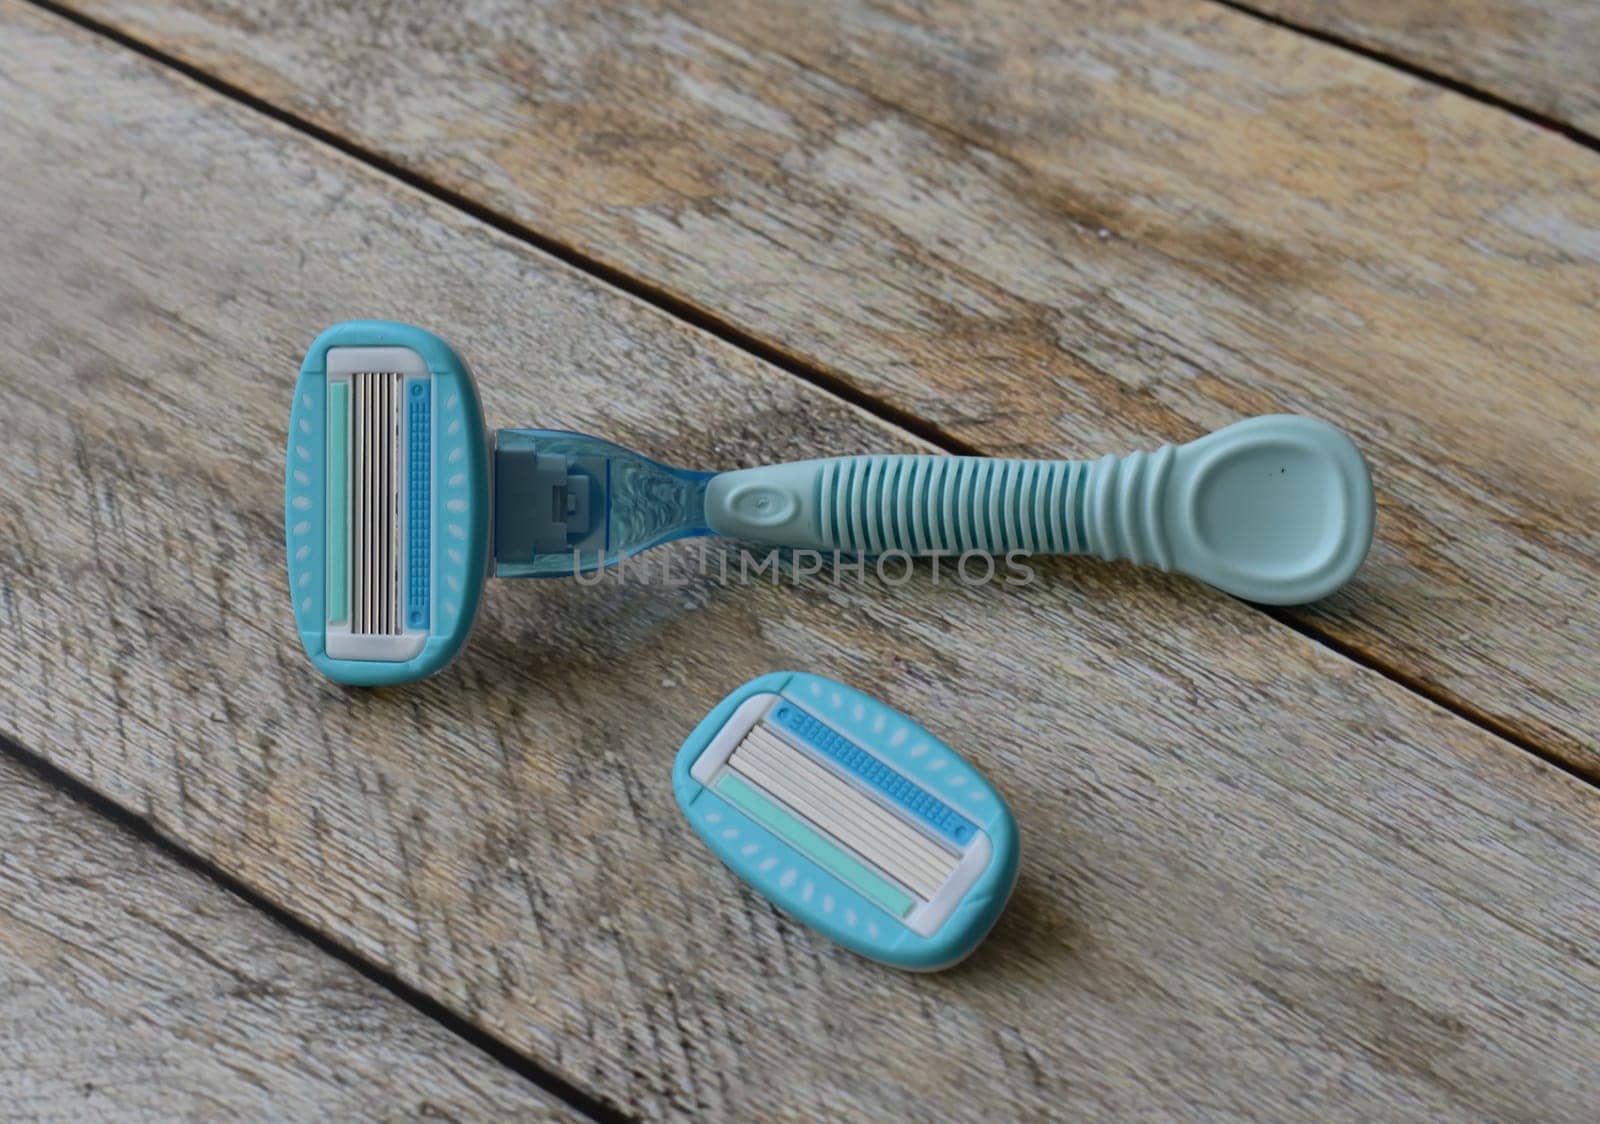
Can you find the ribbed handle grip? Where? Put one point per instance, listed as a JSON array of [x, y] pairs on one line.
[[1276, 509], [923, 505]]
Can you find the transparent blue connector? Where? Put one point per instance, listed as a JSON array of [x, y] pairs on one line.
[[567, 503]]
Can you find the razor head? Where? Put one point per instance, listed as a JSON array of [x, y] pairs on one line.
[[386, 503], [851, 817]]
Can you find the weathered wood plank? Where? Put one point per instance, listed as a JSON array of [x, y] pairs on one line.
[[1542, 55], [1259, 880], [1049, 228], [132, 988]]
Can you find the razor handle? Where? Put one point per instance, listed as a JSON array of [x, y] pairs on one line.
[[1273, 509]]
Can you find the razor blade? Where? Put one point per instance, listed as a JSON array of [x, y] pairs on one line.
[[851, 817], [388, 503]]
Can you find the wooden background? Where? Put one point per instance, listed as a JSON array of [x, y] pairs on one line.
[[1338, 862]]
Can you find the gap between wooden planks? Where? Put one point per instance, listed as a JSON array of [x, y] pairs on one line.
[[1540, 56], [133, 987], [1056, 229], [1257, 875]]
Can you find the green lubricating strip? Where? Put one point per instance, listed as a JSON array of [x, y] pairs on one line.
[[338, 548], [813, 846]]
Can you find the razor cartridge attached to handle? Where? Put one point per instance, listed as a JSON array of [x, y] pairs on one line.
[[1274, 509], [399, 502]]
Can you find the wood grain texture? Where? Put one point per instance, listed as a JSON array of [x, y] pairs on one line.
[[1542, 55], [1259, 881], [1052, 229], [133, 988]]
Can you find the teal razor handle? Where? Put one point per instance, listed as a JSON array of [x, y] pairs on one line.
[[1274, 509], [399, 502]]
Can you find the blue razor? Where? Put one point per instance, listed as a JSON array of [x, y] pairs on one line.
[[399, 503], [850, 817]]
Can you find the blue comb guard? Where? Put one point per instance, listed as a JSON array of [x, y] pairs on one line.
[[850, 817]]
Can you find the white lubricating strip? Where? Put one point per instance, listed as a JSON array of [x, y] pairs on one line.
[[844, 812]]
